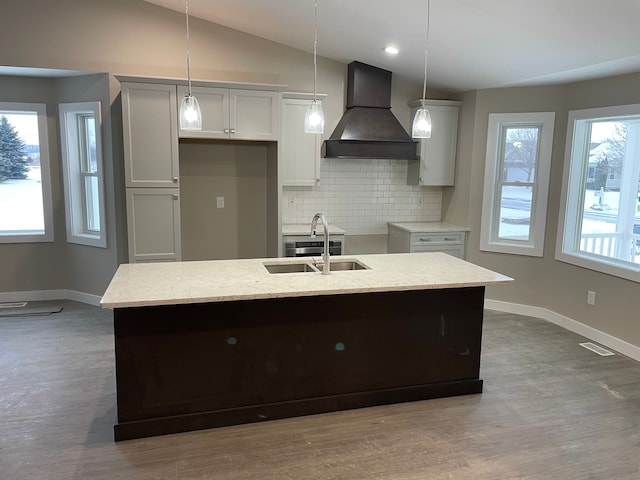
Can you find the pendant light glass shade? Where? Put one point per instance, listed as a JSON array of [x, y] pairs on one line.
[[190, 114], [422, 120], [421, 124], [314, 118]]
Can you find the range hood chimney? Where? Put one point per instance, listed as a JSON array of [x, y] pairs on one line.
[[367, 128]]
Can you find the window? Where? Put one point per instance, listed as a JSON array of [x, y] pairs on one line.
[[82, 171], [600, 205], [25, 185], [516, 183]]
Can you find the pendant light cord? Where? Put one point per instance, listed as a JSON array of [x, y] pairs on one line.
[[186, 9], [315, 47], [426, 49]]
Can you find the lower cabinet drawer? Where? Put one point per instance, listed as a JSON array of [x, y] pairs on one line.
[[453, 250], [439, 238]]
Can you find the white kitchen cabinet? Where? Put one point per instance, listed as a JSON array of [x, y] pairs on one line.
[[150, 138], [150, 135], [416, 237], [237, 114], [299, 151], [436, 166], [153, 224]]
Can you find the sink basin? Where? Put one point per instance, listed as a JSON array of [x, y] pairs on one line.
[[307, 266], [342, 265], [290, 267]]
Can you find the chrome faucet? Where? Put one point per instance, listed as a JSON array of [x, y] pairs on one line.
[[325, 226]]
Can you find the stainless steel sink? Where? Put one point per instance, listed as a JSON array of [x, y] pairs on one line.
[[342, 265], [314, 266], [290, 267]]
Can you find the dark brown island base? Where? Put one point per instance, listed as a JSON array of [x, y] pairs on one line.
[[268, 346]]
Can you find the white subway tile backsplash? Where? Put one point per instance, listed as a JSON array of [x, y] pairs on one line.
[[361, 196]]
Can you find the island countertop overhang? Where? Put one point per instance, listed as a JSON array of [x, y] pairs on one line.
[[154, 284]]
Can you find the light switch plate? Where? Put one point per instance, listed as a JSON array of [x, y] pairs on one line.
[[220, 202]]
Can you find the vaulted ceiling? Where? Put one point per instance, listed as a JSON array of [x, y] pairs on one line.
[[472, 43]]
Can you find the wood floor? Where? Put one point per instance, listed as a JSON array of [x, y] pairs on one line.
[[550, 410]]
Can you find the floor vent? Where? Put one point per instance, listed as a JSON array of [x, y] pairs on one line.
[[603, 352], [13, 304]]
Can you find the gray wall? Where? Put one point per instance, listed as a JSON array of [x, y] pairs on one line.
[[543, 282], [37, 266], [58, 264], [132, 37], [89, 268], [238, 172]]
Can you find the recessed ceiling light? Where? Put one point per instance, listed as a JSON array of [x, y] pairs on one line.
[[391, 50]]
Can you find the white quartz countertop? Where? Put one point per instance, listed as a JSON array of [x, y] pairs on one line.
[[305, 229], [430, 227], [166, 283]]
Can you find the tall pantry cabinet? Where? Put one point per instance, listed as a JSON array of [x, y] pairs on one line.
[[233, 114], [150, 135]]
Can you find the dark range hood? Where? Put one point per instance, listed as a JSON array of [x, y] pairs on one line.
[[367, 128]]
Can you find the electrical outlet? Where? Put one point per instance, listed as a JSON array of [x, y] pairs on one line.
[[220, 202], [591, 297]]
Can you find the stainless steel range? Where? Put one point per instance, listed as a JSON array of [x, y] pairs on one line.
[[310, 248]]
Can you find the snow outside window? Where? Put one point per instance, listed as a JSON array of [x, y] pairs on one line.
[[25, 183], [516, 182], [600, 204]]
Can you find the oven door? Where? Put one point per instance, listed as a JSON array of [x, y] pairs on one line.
[[311, 248]]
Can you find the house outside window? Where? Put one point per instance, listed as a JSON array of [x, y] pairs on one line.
[[82, 172], [600, 206], [516, 182], [25, 184]]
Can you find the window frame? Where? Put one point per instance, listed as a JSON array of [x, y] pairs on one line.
[[45, 174], [576, 171], [72, 142], [490, 222]]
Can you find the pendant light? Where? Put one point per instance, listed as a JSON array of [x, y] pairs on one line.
[[422, 120], [314, 118], [190, 114]]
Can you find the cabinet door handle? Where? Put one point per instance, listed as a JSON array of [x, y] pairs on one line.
[[233, 130], [226, 130], [175, 196], [175, 179]]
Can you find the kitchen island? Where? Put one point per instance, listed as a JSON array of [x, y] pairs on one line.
[[214, 343]]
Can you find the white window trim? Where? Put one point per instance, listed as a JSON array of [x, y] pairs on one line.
[[74, 206], [535, 247], [568, 222], [45, 174]]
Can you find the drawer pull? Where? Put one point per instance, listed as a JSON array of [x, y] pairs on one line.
[[425, 239], [449, 239]]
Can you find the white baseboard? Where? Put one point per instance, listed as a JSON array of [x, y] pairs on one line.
[[614, 343], [36, 295]]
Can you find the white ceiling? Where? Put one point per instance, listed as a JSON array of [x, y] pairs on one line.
[[472, 43]]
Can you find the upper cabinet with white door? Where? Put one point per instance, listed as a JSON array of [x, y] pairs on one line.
[[299, 151], [235, 114], [437, 162], [150, 134]]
